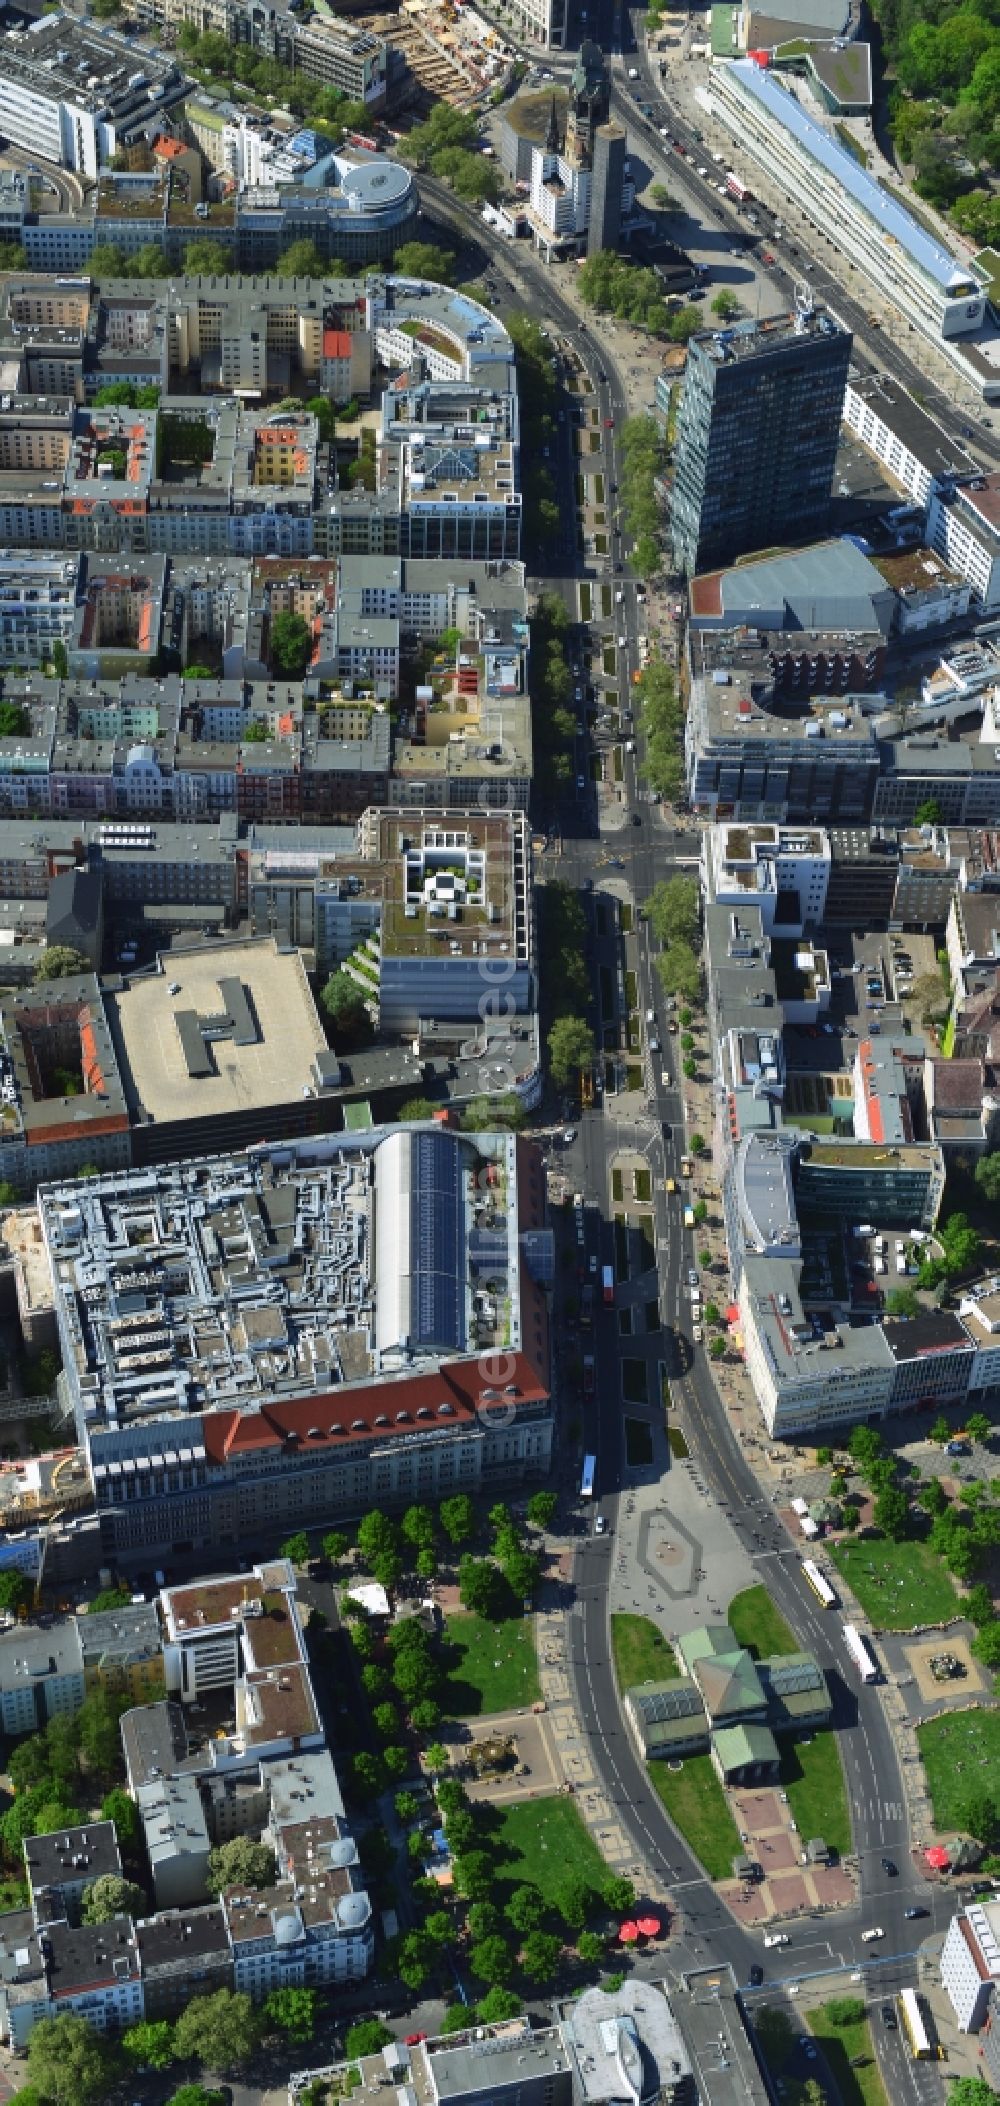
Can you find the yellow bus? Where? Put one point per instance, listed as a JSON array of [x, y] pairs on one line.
[[914, 2026]]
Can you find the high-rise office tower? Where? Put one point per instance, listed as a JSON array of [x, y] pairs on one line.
[[757, 436]]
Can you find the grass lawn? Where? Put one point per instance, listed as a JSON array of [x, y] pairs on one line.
[[840, 2044], [899, 1585], [960, 1754], [813, 1778], [678, 1446], [696, 1804], [989, 261], [543, 1842], [494, 1666], [758, 1625], [641, 1652]]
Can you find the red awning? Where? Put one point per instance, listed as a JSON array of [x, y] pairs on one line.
[[649, 1926], [937, 1857], [732, 1314], [628, 1933]]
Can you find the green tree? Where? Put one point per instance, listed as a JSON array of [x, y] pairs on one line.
[[150, 2044], [335, 1546], [296, 1548], [344, 1003], [14, 721], [302, 259], [526, 1910], [971, 2091], [541, 1509], [59, 962], [775, 2032], [574, 1900], [492, 1960], [846, 2010], [978, 1426], [902, 1301], [416, 1108], [376, 1534], [940, 1431], [571, 1049], [222, 2031], [590, 1948], [111, 1896], [672, 911], [425, 1717], [15, 1590], [458, 1518], [540, 1955], [365, 2038], [117, 1806], [474, 1875], [291, 644], [149, 261], [60, 660], [725, 305], [891, 1513], [207, 259], [865, 1445], [196, 2095], [680, 971], [981, 1816], [107, 260], [368, 1776], [457, 2019], [986, 1645], [421, 259], [418, 1527], [68, 2063], [482, 1588], [436, 1757], [416, 1959], [716, 1348], [483, 1921], [497, 2006], [240, 1863], [440, 1927]]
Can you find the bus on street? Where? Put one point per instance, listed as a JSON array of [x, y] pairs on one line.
[[821, 1587], [915, 2027], [861, 1653], [587, 1480]]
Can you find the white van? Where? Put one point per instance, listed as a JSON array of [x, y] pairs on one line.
[[782, 1938], [868, 1937]]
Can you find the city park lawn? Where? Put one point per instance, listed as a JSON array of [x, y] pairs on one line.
[[758, 1625], [641, 1652], [492, 1666], [812, 1776], [542, 1843], [840, 2044], [899, 1585], [696, 1804], [960, 1751]]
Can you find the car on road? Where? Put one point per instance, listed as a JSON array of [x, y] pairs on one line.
[[692, 1277], [912, 1914], [414, 2039], [600, 1526], [888, 2017], [637, 818], [569, 1136], [581, 782], [609, 424], [868, 1937], [776, 1938], [890, 1867], [756, 1977]]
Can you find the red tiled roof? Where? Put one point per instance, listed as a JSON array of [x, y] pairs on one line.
[[339, 1415], [336, 343], [705, 593]]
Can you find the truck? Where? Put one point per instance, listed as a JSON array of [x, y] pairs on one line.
[[608, 1284], [736, 187], [687, 1166], [689, 1217]]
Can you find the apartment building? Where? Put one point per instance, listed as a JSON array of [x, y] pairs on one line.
[[757, 753], [963, 526], [918, 454], [933, 289]]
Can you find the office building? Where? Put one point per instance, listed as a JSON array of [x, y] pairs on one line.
[[970, 1972], [757, 436], [916, 451], [74, 94], [933, 288], [963, 526], [759, 747], [383, 1291], [608, 188]]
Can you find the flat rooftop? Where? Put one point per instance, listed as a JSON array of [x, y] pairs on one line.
[[189, 1047]]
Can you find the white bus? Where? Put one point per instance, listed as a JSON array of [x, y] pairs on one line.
[[914, 2026], [821, 1587], [587, 1480], [861, 1653]]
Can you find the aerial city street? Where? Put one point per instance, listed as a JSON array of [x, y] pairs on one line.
[[499, 1054]]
